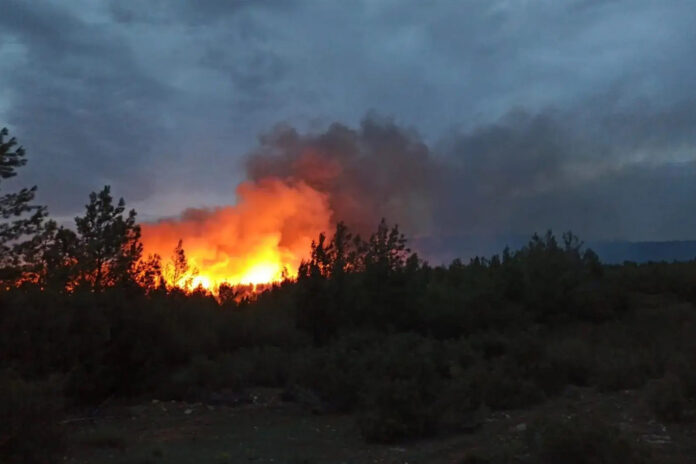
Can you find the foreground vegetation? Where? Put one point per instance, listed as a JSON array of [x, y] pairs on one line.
[[368, 330]]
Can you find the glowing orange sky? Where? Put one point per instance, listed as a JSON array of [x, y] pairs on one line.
[[267, 232]]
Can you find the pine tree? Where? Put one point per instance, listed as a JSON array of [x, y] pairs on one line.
[[109, 242], [51, 257], [178, 272], [19, 218]]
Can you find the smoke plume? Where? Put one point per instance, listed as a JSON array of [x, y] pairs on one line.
[[603, 174], [379, 170]]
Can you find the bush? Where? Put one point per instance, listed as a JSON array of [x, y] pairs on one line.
[[665, 398], [583, 440], [399, 408], [263, 366], [106, 437], [490, 344], [29, 429], [569, 361], [187, 382], [622, 368], [401, 399], [503, 385], [683, 366], [597, 304], [338, 373]]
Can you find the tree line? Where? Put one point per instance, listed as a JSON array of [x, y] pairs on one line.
[[367, 328]]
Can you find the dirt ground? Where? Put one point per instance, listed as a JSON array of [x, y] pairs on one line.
[[271, 431]]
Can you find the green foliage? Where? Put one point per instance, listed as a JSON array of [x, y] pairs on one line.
[[52, 257], [583, 440], [402, 384], [401, 399], [621, 369], [108, 246], [570, 361], [108, 437], [683, 366], [263, 366], [503, 385], [544, 274], [350, 283], [30, 431], [665, 398], [367, 328], [19, 218], [178, 269], [338, 373]]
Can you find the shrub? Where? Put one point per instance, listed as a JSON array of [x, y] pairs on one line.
[[339, 372], [263, 366], [399, 408], [665, 398], [621, 368], [568, 361], [187, 382], [107, 437], [459, 406], [490, 344], [583, 440], [29, 430], [403, 397], [503, 385], [684, 367], [596, 304]]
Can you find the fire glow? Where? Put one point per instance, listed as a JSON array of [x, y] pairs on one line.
[[261, 239], [299, 185]]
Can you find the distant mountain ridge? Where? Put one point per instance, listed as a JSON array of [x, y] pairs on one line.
[[614, 252], [443, 250]]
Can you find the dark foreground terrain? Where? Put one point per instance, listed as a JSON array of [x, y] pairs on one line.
[[540, 355], [268, 430]]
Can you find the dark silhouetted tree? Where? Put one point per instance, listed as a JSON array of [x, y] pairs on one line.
[[52, 255], [178, 271], [315, 313], [109, 242], [19, 218], [386, 250], [228, 295], [149, 274]]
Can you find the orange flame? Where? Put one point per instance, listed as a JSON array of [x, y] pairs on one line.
[[259, 240]]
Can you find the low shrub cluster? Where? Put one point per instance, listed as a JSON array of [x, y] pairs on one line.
[[584, 440], [665, 398], [412, 349], [30, 430], [366, 327]]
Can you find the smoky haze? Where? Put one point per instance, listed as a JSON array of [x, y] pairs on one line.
[[605, 172], [485, 119], [377, 170]]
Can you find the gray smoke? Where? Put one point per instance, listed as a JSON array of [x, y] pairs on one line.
[[604, 171], [378, 170]]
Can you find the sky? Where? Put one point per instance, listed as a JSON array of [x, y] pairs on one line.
[[577, 114]]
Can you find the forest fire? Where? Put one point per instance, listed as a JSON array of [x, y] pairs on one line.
[[259, 240], [298, 186]]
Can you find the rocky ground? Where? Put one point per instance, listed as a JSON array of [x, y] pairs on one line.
[[262, 428]]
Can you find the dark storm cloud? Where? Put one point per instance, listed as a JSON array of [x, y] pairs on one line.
[[627, 172], [378, 170], [80, 103], [194, 12], [574, 114], [614, 173]]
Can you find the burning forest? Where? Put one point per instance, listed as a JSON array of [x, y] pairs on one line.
[[355, 237], [298, 187], [260, 240]]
